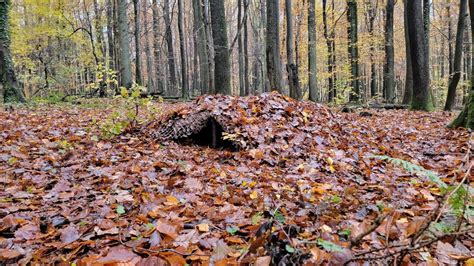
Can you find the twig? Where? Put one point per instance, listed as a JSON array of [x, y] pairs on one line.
[[356, 240], [407, 248]]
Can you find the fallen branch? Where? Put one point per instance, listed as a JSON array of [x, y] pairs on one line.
[[356, 240], [406, 248]]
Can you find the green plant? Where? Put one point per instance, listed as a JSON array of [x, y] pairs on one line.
[[414, 169], [131, 111], [460, 196]]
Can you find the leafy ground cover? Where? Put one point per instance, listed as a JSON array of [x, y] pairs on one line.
[[306, 185]]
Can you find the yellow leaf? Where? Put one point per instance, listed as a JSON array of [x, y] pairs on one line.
[[203, 227], [254, 195], [171, 200], [252, 184], [330, 160], [469, 262]]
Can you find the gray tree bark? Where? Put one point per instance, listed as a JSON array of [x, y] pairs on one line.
[[273, 45], [149, 63], [124, 40], [240, 49], [221, 48], [10, 89], [389, 66], [466, 117], [291, 67], [182, 48], [455, 76], [169, 42], [156, 50], [313, 86], [138, 68], [408, 93], [353, 49], [201, 42], [416, 31]]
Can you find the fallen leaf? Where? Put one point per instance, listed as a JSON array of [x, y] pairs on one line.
[[69, 234], [8, 254], [166, 229], [203, 227]]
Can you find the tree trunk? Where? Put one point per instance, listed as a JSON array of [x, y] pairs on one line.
[[169, 42], [149, 63], [408, 94], [184, 68], [291, 67], [455, 76], [156, 50], [246, 49], [389, 71], [124, 40], [353, 49], [330, 54], [416, 31], [313, 86], [273, 45], [221, 48], [240, 50], [202, 47], [371, 15], [466, 117], [9, 89], [138, 71]]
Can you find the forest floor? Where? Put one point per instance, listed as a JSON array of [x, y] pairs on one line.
[[69, 196]]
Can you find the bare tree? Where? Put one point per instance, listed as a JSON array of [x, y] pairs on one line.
[[273, 45], [221, 47], [455, 76]]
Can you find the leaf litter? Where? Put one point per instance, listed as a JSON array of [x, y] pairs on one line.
[[299, 187]]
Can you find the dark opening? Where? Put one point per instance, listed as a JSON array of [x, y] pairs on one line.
[[210, 136]]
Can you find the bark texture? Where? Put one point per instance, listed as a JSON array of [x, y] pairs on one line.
[[221, 47], [124, 41], [455, 76]]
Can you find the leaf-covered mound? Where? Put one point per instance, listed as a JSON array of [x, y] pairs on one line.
[[271, 123]]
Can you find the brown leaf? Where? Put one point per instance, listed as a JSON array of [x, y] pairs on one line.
[[27, 232], [263, 261], [69, 234], [8, 254], [166, 229], [119, 255]]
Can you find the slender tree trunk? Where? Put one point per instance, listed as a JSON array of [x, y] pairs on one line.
[[455, 76], [202, 47], [110, 37], [124, 40], [353, 49], [389, 67], [184, 68], [408, 93], [246, 49], [371, 15], [240, 50], [138, 71], [221, 47], [466, 117], [149, 63], [169, 42], [416, 31], [273, 45], [313, 89], [156, 50], [291, 67], [331, 56], [469, 58]]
